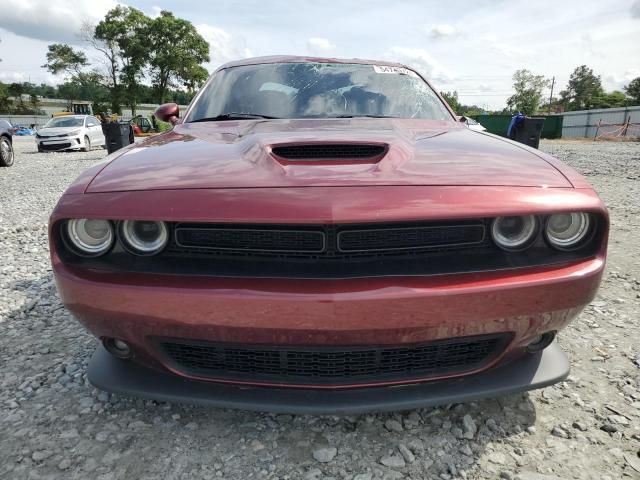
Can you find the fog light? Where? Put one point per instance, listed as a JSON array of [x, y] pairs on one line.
[[540, 342], [116, 347]]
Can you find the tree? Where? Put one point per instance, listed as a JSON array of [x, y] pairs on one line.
[[583, 88], [121, 38], [633, 90], [61, 58], [610, 100], [5, 101], [528, 96], [176, 54], [452, 99]]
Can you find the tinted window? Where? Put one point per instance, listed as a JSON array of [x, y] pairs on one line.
[[312, 90]]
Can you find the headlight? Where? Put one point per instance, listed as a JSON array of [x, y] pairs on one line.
[[143, 237], [514, 233], [566, 231], [72, 133], [90, 237]]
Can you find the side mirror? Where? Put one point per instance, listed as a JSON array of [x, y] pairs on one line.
[[462, 119], [168, 112]]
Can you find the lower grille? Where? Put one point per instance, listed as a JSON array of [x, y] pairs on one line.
[[332, 365], [55, 146]]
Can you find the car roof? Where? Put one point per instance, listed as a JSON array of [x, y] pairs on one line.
[[302, 59], [73, 116]]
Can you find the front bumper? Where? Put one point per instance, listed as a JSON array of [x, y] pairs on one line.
[[139, 309], [60, 143], [526, 373]]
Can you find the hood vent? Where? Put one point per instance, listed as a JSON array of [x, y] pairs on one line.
[[349, 152]]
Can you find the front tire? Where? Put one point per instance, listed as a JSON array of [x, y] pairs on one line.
[[6, 152], [87, 144]]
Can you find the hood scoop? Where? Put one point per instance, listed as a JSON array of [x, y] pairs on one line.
[[332, 153]]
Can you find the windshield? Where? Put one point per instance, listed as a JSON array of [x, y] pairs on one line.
[[318, 90], [59, 122]]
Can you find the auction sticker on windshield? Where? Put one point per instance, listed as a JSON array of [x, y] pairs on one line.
[[392, 69]]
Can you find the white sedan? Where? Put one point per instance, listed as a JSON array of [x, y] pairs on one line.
[[474, 125], [70, 132]]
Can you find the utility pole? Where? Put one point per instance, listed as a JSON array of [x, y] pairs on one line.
[[553, 82]]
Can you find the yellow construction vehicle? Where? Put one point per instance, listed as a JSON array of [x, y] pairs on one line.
[[76, 107]]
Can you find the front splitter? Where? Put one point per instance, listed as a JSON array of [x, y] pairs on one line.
[[527, 373]]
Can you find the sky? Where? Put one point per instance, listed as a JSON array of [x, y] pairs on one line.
[[471, 47]]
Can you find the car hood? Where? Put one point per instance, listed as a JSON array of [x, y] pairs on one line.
[[55, 131], [237, 154]]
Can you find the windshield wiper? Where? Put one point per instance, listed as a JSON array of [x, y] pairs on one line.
[[365, 116], [233, 116]]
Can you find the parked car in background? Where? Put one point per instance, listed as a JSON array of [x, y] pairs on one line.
[[325, 236], [474, 125], [70, 132], [6, 143]]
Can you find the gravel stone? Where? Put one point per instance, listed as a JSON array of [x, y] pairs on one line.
[[325, 454], [54, 424], [560, 432], [363, 476], [408, 456], [470, 427], [393, 425], [393, 461]]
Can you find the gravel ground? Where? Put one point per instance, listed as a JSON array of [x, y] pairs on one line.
[[53, 424]]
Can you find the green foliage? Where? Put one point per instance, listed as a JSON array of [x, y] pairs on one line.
[[131, 44], [122, 34], [5, 102], [452, 99], [178, 50], [528, 88], [610, 100], [163, 126], [633, 91], [470, 110], [62, 58], [583, 89]]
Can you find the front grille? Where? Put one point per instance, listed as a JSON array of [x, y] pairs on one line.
[[332, 365], [330, 151], [325, 241], [259, 239], [55, 146], [354, 240]]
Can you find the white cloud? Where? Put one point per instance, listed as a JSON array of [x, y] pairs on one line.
[[52, 21], [422, 61], [611, 81], [319, 46], [442, 30], [155, 11], [502, 46], [223, 46]]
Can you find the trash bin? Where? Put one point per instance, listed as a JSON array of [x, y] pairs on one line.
[[528, 131], [117, 135]]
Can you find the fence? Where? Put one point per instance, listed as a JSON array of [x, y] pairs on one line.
[[498, 124], [602, 122], [26, 120]]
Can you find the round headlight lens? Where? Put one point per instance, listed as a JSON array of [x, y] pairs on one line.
[[144, 237], [566, 231], [90, 237], [514, 233]]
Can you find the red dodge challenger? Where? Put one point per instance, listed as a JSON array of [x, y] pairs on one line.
[[325, 236]]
